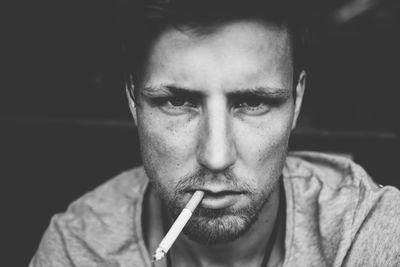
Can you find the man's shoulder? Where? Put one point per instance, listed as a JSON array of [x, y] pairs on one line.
[[333, 170], [357, 219], [103, 222], [338, 176], [125, 188], [109, 203]]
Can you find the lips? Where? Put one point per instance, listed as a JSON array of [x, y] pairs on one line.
[[219, 199]]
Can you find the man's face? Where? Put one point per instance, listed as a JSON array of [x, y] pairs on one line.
[[215, 114]]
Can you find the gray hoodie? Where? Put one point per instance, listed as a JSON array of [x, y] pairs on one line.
[[336, 216]]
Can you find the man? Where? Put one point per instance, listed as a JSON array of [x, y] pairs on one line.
[[215, 90]]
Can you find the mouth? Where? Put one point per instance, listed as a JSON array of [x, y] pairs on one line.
[[219, 199]]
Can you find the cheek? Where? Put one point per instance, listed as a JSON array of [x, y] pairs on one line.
[[263, 145], [166, 144]]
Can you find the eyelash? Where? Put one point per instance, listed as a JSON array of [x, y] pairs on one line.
[[264, 103], [163, 101], [259, 101]]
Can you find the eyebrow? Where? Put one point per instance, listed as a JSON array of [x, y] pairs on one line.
[[262, 91], [171, 89]]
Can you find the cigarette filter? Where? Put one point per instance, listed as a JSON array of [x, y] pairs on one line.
[[177, 226]]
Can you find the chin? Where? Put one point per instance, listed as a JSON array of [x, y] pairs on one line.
[[219, 226], [220, 230]]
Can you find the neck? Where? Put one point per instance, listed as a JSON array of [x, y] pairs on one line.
[[248, 250]]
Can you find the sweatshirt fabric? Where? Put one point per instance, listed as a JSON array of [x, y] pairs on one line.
[[335, 216]]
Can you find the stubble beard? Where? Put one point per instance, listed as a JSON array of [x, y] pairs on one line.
[[212, 227], [217, 226]]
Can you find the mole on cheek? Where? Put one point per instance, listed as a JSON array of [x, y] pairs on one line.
[[171, 127]]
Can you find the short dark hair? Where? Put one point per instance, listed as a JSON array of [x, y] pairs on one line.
[[142, 21]]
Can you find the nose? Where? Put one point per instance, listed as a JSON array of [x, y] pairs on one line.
[[216, 149]]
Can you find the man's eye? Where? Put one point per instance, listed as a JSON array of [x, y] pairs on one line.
[[175, 104], [180, 102], [177, 101], [251, 103], [252, 106]]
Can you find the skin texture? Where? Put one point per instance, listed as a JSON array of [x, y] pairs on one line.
[[215, 113]]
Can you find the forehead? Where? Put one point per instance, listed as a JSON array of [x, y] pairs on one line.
[[235, 54]]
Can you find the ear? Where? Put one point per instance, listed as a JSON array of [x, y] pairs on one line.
[[300, 87], [129, 89]]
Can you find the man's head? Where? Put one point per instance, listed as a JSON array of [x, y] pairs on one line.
[[144, 21], [214, 110]]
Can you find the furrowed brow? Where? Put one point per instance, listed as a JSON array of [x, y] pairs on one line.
[[171, 90], [261, 92]]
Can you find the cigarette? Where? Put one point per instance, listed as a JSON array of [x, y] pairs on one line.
[[177, 226]]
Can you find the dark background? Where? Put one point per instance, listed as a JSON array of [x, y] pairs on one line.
[[66, 127]]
